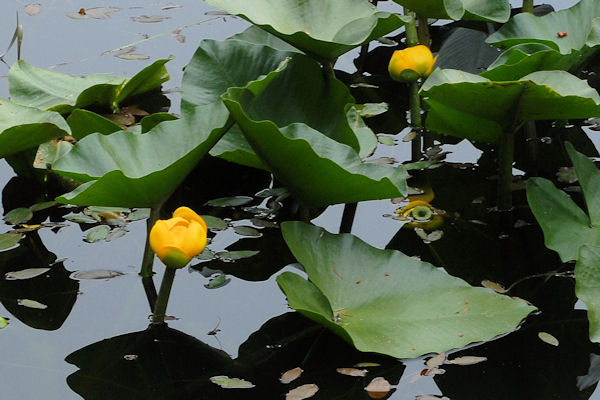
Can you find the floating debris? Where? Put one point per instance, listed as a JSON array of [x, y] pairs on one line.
[[96, 274], [548, 338], [31, 304], [291, 375], [352, 371], [231, 383], [33, 9], [25, 274], [302, 392], [467, 360]]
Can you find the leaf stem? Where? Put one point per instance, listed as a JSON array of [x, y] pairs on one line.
[[527, 6], [148, 258], [423, 30], [348, 217], [160, 307], [505, 161]]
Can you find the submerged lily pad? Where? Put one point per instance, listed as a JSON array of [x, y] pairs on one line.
[[398, 306], [488, 108], [323, 29]]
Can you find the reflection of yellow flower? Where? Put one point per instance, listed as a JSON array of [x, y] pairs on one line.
[[411, 63], [177, 240], [421, 215]]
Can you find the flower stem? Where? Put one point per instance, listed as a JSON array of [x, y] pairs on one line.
[[423, 30], [505, 161], [348, 217], [412, 39], [527, 6], [148, 258], [160, 308]]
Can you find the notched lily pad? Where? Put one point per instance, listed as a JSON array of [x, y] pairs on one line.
[[388, 316]]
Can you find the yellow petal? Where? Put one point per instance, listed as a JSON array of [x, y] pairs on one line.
[[190, 215], [194, 240], [160, 237]]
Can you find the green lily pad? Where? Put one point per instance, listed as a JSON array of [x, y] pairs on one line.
[[18, 215], [229, 201], [8, 240], [322, 29], [484, 10], [83, 123], [579, 22], [587, 287], [488, 108], [231, 383], [139, 170], [50, 90], [22, 127], [386, 302], [98, 233], [566, 226]]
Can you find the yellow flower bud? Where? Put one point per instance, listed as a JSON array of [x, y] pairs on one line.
[[179, 239], [411, 63]]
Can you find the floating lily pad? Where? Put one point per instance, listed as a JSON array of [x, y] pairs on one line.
[[381, 308], [98, 233], [231, 383], [324, 29], [8, 240], [25, 274], [31, 304], [229, 201], [97, 274], [236, 254], [18, 215]]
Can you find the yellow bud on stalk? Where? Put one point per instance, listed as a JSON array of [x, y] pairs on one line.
[[412, 63]]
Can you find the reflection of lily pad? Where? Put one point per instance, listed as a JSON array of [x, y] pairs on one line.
[[384, 301], [325, 29]]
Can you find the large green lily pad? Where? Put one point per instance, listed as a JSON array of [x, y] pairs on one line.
[[386, 302], [318, 170], [566, 226], [322, 29], [140, 170], [49, 90], [487, 108], [22, 127], [579, 22], [485, 10]]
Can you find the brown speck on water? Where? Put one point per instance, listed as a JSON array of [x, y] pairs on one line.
[[82, 11]]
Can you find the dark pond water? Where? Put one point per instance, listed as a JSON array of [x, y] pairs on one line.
[[91, 342]]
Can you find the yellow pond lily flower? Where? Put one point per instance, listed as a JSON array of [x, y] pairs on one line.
[[410, 64], [421, 214], [179, 239]]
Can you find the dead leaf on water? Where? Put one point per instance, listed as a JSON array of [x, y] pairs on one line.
[[548, 338], [25, 274], [148, 19], [302, 392], [33, 9], [291, 375], [432, 371], [180, 38], [496, 287], [132, 57], [96, 12], [467, 360], [378, 388], [352, 371], [96, 274], [31, 304], [231, 383], [436, 361], [170, 6]]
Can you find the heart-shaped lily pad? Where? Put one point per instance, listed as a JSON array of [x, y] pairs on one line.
[[386, 302]]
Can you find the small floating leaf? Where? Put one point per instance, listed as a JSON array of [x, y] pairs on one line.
[[291, 375], [33, 9], [98, 233], [99, 209], [42, 206], [352, 371], [246, 231], [566, 175], [388, 141], [148, 19], [81, 219], [3, 323], [409, 136], [231, 383], [18, 216], [217, 281], [229, 201], [377, 386], [214, 223], [206, 255], [8, 240], [132, 56], [302, 392], [367, 364], [97, 274], [117, 233], [25, 274], [140, 213], [548, 338], [31, 304], [262, 223], [236, 254], [368, 110], [467, 360], [496, 287]]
